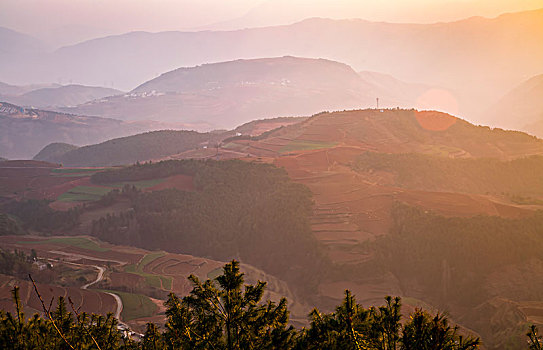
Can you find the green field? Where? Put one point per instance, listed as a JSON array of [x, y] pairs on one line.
[[138, 184], [135, 305], [83, 194], [77, 170], [157, 281], [79, 242], [94, 193], [305, 145]]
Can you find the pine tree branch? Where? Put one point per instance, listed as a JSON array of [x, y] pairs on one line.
[[48, 314]]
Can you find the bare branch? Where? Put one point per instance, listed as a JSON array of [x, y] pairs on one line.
[[48, 314]]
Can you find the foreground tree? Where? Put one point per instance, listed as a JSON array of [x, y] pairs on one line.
[[426, 332], [63, 330], [353, 327], [226, 314], [534, 339]]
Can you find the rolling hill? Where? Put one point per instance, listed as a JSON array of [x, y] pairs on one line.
[[226, 94], [24, 132], [398, 188], [131, 149], [394, 192], [58, 96], [441, 54], [521, 108], [54, 151], [156, 145]]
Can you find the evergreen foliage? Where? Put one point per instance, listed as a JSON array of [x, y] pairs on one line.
[[520, 176], [224, 313], [36, 214], [249, 211]]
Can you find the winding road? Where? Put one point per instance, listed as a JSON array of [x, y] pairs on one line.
[[99, 278]]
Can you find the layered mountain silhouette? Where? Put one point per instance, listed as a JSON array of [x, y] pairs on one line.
[[53, 96], [25, 131], [227, 94], [466, 56]]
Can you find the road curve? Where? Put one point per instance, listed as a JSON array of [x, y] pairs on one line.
[[119, 306], [118, 300], [98, 278]]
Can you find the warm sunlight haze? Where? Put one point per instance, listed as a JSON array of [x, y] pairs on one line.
[[271, 174]]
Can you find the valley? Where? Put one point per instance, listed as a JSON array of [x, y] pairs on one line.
[[351, 162], [280, 174]]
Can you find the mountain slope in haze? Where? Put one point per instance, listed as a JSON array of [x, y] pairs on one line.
[[8, 90], [61, 96], [131, 149], [14, 43], [54, 151], [521, 108], [24, 132], [157, 145], [471, 56], [287, 71], [227, 94]]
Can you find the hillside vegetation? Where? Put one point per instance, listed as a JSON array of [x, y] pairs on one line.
[[456, 263], [245, 210], [225, 313], [521, 177], [54, 151], [141, 147], [25, 131]]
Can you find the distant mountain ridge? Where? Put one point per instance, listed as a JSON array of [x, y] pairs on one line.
[[441, 54], [53, 96], [25, 131], [287, 70], [227, 94], [63, 96]]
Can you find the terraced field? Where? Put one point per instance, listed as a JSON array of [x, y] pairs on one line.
[[126, 267]]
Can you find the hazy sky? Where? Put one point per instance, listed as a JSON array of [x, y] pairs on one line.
[[65, 21]]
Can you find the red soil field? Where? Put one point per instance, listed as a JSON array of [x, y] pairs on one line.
[[87, 300]]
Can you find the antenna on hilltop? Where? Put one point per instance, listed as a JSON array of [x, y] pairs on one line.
[[377, 102]]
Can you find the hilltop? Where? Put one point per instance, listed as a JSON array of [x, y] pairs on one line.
[[54, 151], [398, 191], [226, 94], [25, 131]]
